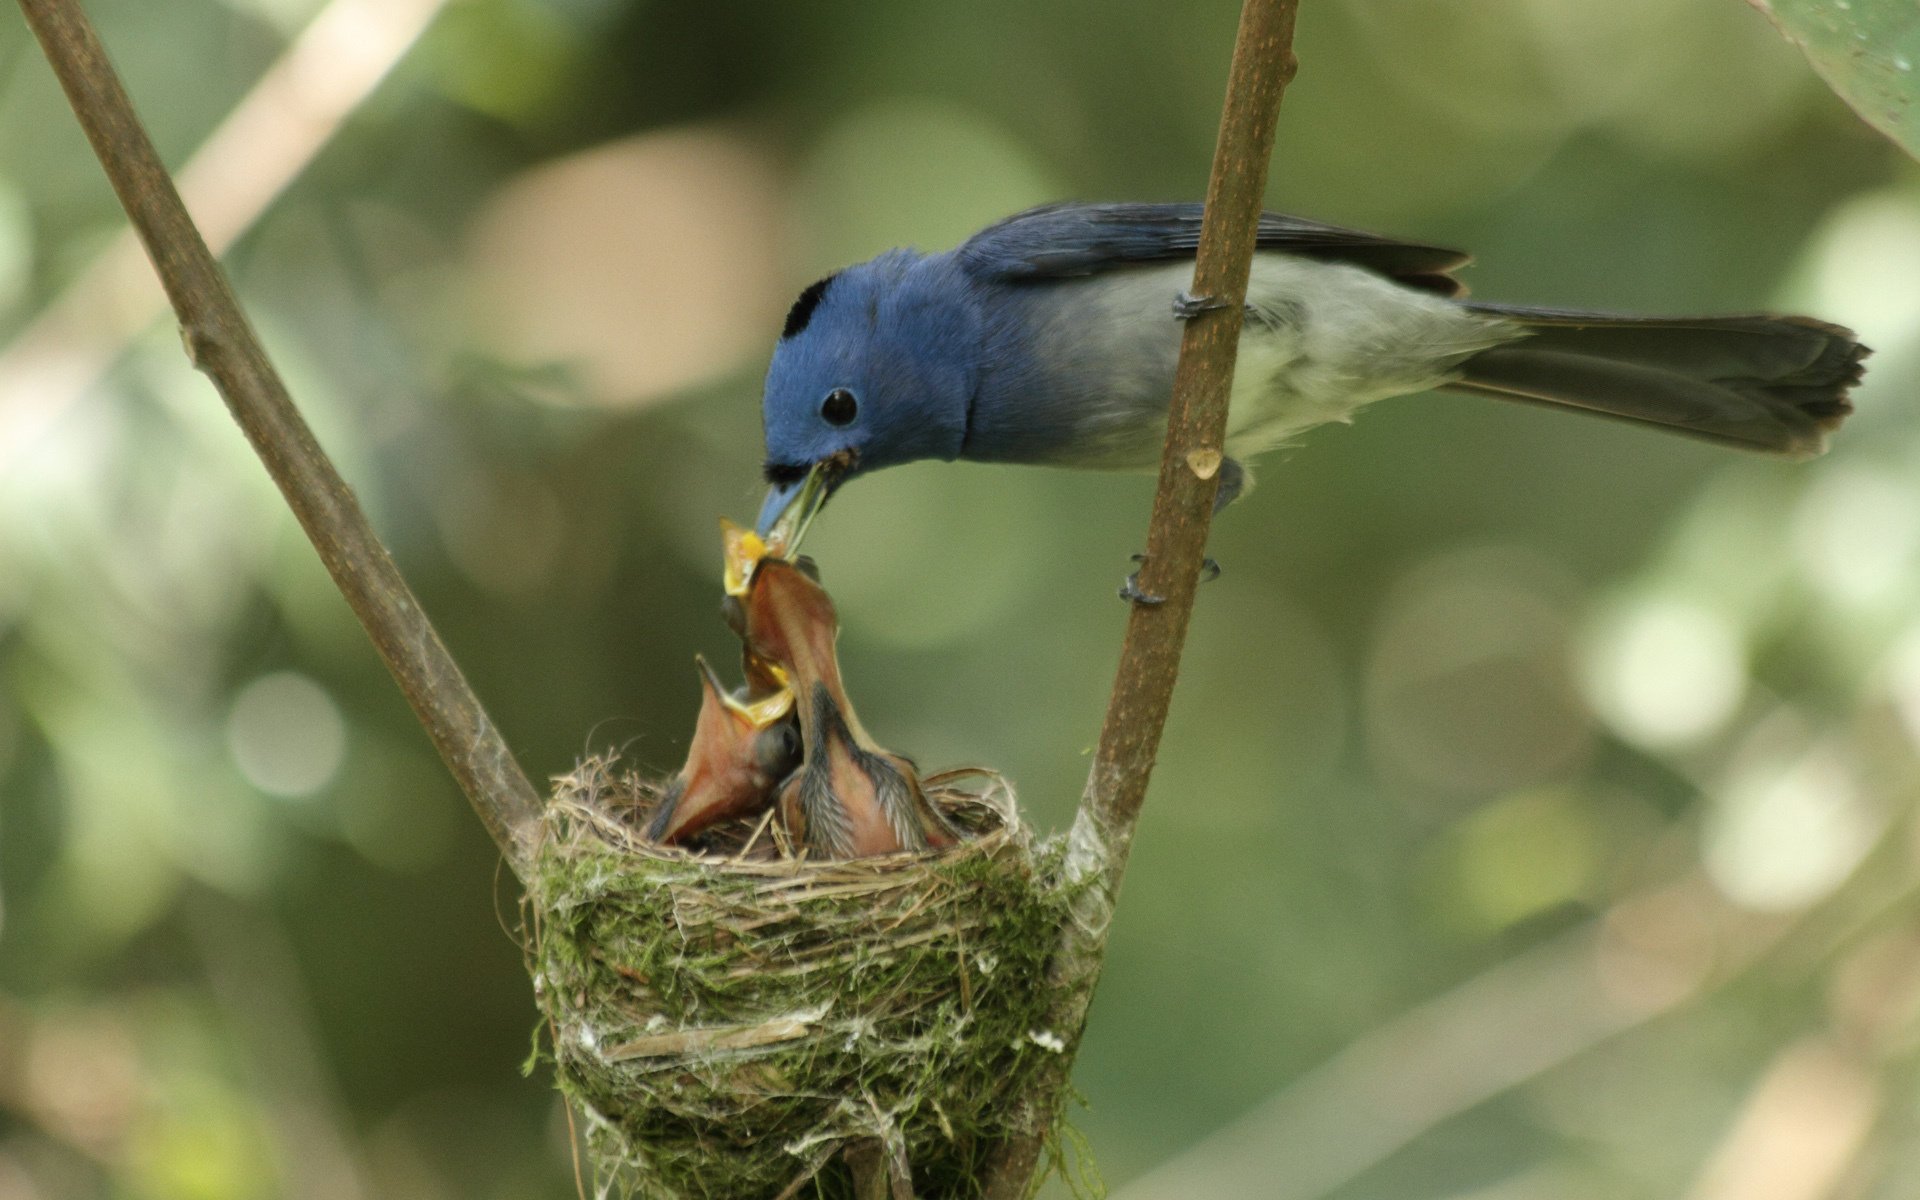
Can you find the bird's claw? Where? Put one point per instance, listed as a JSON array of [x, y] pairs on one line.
[[1130, 591], [1187, 306], [1130, 588]]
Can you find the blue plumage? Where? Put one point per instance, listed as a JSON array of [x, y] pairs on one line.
[[1051, 337]]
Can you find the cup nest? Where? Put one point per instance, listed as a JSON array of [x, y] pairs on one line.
[[726, 1020]]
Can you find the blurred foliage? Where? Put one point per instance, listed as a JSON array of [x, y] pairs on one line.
[[1478, 680], [1867, 50]]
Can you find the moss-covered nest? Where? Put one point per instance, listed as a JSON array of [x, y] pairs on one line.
[[726, 1021]]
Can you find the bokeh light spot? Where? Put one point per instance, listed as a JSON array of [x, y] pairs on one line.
[[1663, 672], [1522, 854], [1857, 534], [286, 734], [206, 1143], [1785, 831], [646, 264], [80, 1077], [910, 171], [1860, 267], [1903, 681]]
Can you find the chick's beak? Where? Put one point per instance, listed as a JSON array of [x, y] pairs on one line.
[[723, 775], [850, 798], [790, 622]]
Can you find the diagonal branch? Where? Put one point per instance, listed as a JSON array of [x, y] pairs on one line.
[[1102, 836], [1263, 63], [220, 342], [1499, 1030]]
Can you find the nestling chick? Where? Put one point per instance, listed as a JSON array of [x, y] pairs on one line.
[[741, 750], [850, 798]]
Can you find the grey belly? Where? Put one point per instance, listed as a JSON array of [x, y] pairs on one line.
[[1085, 370], [1082, 373]]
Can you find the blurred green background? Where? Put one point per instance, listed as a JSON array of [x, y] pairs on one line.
[[1535, 820]]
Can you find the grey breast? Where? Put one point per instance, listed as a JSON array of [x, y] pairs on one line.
[[1079, 371]]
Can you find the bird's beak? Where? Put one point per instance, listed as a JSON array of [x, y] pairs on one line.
[[757, 713], [764, 679], [780, 497], [790, 507]]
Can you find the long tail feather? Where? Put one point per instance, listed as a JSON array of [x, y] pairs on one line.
[[1772, 384]]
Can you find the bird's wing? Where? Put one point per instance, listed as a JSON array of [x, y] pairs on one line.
[[1068, 239]]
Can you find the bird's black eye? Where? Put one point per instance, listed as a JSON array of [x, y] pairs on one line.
[[839, 408]]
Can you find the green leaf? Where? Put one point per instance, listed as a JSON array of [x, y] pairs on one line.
[[1868, 51]]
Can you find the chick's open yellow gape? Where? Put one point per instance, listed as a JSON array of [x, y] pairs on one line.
[[787, 747]]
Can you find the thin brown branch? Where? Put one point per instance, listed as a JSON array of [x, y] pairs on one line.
[[1263, 64], [221, 343]]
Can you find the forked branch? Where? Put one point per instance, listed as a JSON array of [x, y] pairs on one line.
[[221, 343]]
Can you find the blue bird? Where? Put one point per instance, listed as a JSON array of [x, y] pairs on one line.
[[1051, 337]]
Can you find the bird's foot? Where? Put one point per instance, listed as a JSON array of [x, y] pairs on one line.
[[1131, 592], [1187, 306], [1130, 588]]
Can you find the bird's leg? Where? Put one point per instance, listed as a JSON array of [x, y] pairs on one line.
[[1187, 306], [1233, 483]]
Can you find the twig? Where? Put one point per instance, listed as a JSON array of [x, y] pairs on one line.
[[221, 343], [1263, 64], [1663, 950], [269, 138], [1803, 1130], [1511, 1024], [869, 1167]]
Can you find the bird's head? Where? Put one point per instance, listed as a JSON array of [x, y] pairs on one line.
[[873, 368]]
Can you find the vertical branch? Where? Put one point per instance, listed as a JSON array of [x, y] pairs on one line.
[[1263, 63], [220, 343], [1102, 836]]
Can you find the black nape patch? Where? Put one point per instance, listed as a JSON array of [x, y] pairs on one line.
[[802, 310]]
